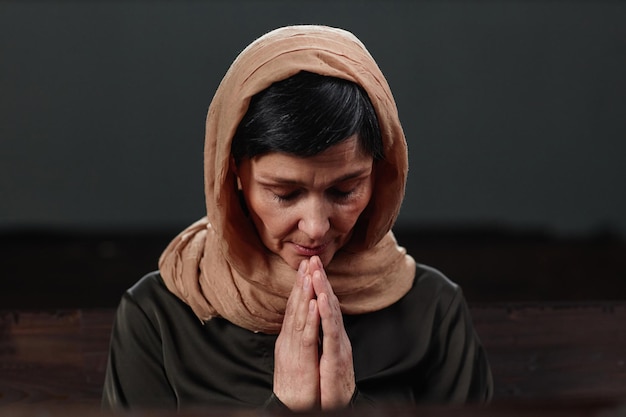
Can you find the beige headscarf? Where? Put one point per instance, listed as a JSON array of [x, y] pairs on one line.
[[219, 266]]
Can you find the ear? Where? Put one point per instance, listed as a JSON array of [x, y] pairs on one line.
[[233, 168], [232, 165]]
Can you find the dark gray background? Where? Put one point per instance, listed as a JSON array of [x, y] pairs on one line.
[[514, 110]]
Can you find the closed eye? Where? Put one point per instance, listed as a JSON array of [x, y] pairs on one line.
[[286, 196], [341, 194]]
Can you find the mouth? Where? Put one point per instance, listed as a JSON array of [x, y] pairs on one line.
[[310, 250]]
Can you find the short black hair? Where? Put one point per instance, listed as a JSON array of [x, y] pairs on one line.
[[306, 114]]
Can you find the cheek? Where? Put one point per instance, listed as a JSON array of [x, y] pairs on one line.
[[350, 215], [271, 221]]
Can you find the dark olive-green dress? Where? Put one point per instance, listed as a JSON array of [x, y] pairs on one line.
[[422, 349]]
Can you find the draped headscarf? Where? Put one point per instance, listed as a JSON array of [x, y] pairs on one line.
[[219, 266]]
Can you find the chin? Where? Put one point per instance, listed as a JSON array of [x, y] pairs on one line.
[[326, 259], [294, 262]]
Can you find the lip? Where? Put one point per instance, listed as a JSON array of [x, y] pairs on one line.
[[310, 250]]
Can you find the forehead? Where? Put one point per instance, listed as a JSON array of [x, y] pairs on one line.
[[343, 155]]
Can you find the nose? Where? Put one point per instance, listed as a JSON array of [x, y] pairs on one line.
[[315, 218]]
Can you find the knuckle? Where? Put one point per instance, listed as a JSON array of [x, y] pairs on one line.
[[309, 340], [333, 332], [299, 326]]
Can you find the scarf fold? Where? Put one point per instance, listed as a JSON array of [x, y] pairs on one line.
[[219, 266]]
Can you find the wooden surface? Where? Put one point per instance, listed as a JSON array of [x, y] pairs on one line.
[[537, 351], [574, 350], [55, 357], [571, 408]]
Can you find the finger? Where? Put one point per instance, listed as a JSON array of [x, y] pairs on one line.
[[310, 335], [302, 308], [303, 297], [322, 284], [330, 315], [315, 263], [293, 302], [332, 323]]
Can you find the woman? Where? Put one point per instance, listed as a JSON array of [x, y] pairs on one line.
[[292, 292]]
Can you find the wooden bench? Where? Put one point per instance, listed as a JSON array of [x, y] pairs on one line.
[[537, 351]]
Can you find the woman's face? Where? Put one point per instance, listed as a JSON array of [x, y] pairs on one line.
[[307, 206]]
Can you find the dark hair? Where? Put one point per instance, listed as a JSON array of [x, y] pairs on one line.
[[306, 114]]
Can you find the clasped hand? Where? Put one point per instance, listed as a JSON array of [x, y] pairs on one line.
[[307, 374]]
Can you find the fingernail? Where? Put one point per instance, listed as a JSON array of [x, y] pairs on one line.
[[318, 276], [311, 306], [307, 282], [302, 267], [322, 297]]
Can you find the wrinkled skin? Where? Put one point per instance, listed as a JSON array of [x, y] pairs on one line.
[[308, 375], [304, 210]]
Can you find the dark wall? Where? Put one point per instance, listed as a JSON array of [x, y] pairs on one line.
[[514, 110]]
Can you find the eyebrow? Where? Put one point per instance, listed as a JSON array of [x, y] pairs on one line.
[[285, 181]]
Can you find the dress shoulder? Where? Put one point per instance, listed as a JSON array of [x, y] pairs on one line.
[[151, 296], [149, 287], [431, 286]]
